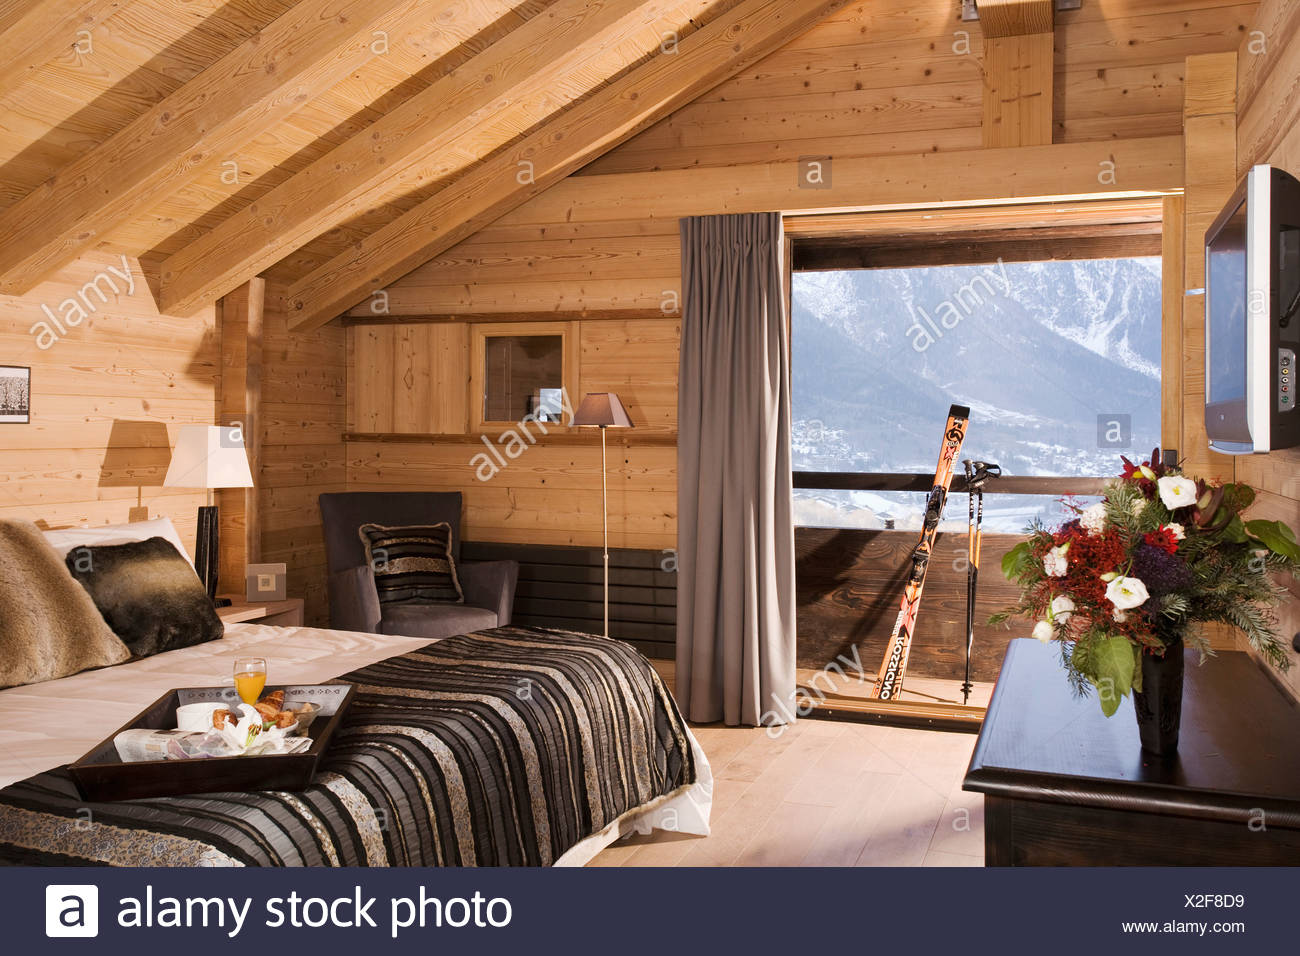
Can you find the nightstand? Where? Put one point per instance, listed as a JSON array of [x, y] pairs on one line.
[[280, 613], [1064, 785]]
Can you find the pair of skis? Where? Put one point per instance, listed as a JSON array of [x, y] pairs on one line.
[[889, 680]]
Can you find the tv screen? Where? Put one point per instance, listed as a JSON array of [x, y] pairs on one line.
[[1252, 337], [1226, 361]]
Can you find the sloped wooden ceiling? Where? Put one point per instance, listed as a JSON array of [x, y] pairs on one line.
[[329, 144]]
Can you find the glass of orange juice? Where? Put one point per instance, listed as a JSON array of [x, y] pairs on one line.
[[250, 678]]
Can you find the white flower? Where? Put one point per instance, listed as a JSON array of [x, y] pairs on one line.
[[1061, 608], [241, 733], [1126, 593], [1177, 530], [1054, 562], [1093, 519], [1043, 632], [1176, 492]]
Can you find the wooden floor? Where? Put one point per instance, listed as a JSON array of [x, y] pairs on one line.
[[827, 793]]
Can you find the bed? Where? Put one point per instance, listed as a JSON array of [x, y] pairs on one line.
[[511, 746]]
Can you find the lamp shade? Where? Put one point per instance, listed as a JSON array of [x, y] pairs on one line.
[[602, 409], [209, 456]]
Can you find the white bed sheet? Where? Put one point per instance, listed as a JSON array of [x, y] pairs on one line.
[[43, 726]]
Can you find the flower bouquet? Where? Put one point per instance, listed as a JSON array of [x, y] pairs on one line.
[[1128, 576]]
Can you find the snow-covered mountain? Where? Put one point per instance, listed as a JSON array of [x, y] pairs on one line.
[[1040, 351]]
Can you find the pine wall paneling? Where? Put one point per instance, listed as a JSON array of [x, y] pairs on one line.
[[887, 78], [1268, 131], [905, 76], [549, 493], [108, 398], [304, 417]]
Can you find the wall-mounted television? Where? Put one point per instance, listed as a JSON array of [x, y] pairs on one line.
[[1252, 316]]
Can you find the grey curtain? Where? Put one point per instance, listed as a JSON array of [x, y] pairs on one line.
[[735, 534]]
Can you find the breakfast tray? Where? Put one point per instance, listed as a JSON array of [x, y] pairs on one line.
[[101, 775]]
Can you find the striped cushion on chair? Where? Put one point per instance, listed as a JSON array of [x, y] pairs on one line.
[[412, 565]]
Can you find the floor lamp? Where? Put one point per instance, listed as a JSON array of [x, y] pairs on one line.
[[603, 410], [208, 457]]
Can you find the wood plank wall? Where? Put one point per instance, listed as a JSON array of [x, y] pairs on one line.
[[1268, 131], [903, 76], [880, 78], [304, 414], [549, 494], [108, 398]]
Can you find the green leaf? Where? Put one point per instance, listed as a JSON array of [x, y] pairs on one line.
[[1275, 536], [1014, 560], [1114, 661], [1235, 531]]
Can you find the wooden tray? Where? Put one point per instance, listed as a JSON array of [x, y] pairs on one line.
[[101, 775]]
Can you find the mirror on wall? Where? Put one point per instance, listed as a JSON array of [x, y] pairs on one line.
[[521, 369], [522, 374]]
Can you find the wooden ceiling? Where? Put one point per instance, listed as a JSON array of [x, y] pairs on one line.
[[331, 145]]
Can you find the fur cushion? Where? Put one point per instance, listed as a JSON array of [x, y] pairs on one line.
[[49, 627], [413, 565], [148, 594]]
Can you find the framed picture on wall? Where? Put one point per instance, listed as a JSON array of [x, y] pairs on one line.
[[15, 395]]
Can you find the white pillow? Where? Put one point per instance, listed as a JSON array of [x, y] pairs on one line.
[[65, 539]]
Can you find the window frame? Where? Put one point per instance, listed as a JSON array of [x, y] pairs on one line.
[[480, 332], [955, 236]]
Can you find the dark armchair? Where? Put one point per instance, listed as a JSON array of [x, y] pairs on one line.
[[489, 586]]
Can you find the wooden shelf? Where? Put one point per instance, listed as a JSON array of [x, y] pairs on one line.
[[279, 613]]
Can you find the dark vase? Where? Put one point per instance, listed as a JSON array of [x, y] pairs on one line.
[[1159, 705]]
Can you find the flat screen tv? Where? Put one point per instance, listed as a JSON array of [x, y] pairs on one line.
[[1252, 326]]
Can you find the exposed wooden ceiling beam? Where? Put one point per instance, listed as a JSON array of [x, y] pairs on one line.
[[311, 47], [1012, 18], [975, 218], [36, 31], [406, 145], [590, 128], [1099, 170]]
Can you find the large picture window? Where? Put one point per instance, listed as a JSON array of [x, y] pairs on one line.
[[1054, 345]]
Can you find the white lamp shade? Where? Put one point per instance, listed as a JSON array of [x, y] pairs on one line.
[[209, 456]]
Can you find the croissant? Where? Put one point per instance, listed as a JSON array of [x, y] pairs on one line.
[[276, 697], [267, 709], [220, 718]]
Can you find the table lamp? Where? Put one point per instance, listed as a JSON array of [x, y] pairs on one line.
[[603, 410], [209, 457]]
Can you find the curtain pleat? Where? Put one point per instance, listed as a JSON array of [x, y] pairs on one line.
[[735, 595]]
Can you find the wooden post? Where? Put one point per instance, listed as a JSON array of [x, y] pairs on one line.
[[1210, 175], [240, 323], [1019, 62]]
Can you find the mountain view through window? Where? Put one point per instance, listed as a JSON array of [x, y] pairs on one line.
[[1059, 362]]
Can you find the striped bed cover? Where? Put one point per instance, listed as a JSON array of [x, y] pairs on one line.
[[502, 747]]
